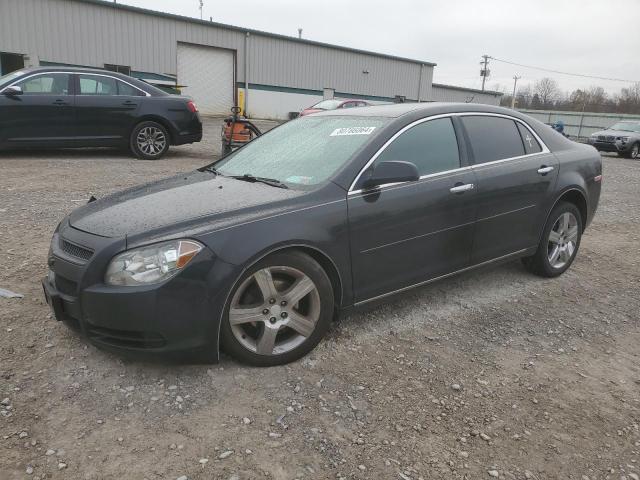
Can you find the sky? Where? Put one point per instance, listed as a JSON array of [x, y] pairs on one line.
[[591, 37]]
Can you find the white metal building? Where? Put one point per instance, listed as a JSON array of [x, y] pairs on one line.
[[277, 74]]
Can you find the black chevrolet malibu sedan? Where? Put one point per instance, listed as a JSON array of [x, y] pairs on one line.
[[257, 252], [63, 107]]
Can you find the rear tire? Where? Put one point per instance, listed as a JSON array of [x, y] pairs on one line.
[[278, 311], [559, 244], [149, 140]]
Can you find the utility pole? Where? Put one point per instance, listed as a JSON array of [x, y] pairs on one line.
[[201, 4], [484, 73], [513, 97]]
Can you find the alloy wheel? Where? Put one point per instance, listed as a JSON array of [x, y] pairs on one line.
[[563, 239], [151, 140], [635, 150], [274, 310]]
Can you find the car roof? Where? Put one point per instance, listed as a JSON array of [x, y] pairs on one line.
[[425, 108]]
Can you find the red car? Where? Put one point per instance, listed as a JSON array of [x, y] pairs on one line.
[[334, 104]]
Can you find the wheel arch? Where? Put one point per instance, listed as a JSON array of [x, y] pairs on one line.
[[325, 261], [576, 196]]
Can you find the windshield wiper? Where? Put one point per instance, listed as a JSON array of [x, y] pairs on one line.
[[247, 177], [212, 169]]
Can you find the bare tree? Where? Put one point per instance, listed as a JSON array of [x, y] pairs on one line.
[[547, 91], [523, 97], [629, 99]]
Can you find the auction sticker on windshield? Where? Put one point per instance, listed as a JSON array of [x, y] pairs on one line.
[[352, 131]]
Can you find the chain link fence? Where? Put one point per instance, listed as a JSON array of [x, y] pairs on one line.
[[579, 125]]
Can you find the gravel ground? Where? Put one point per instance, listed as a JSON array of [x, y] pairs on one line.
[[495, 373]]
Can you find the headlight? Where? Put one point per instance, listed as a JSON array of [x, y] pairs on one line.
[[152, 264], [624, 139]]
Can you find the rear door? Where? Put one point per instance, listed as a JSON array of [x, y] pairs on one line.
[[516, 174], [43, 114], [407, 233], [106, 108]]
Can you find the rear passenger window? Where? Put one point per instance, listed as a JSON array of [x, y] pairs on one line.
[[493, 138], [97, 85], [128, 90], [431, 146], [531, 145]]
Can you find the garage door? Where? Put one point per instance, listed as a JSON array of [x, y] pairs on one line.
[[207, 74]]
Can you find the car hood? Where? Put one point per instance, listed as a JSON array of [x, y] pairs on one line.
[[617, 133], [178, 202]]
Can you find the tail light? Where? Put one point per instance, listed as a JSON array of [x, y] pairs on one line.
[[192, 107]]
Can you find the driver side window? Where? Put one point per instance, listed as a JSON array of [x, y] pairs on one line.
[[431, 146], [46, 84]]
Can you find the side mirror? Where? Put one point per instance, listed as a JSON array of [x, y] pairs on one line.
[[393, 171], [12, 90]]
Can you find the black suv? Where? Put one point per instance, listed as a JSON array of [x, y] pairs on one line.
[[64, 107]]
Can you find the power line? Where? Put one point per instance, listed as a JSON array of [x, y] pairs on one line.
[[564, 73]]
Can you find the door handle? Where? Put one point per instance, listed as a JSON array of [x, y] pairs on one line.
[[129, 103], [60, 102], [462, 188], [543, 170]]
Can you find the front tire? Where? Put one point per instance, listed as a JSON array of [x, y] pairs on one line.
[[559, 244], [149, 140], [278, 311], [634, 152]]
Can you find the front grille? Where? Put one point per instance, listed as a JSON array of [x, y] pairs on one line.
[[74, 250], [125, 338], [66, 286], [606, 138]]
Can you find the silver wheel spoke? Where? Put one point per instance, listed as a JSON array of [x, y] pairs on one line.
[[554, 237], [299, 290], [564, 222], [151, 141], [281, 322], [570, 249], [238, 316], [267, 341], [563, 240], [265, 284], [301, 324]]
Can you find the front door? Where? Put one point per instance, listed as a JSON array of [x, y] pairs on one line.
[[515, 177], [43, 114], [407, 233], [106, 108]]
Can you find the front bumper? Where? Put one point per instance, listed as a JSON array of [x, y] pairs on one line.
[[180, 316], [616, 147]]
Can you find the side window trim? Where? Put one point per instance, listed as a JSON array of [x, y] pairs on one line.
[[70, 81], [115, 79], [389, 142], [73, 83], [467, 154], [472, 162]]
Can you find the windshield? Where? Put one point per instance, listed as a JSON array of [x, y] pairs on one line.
[[306, 151], [9, 77], [626, 126], [327, 104]]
